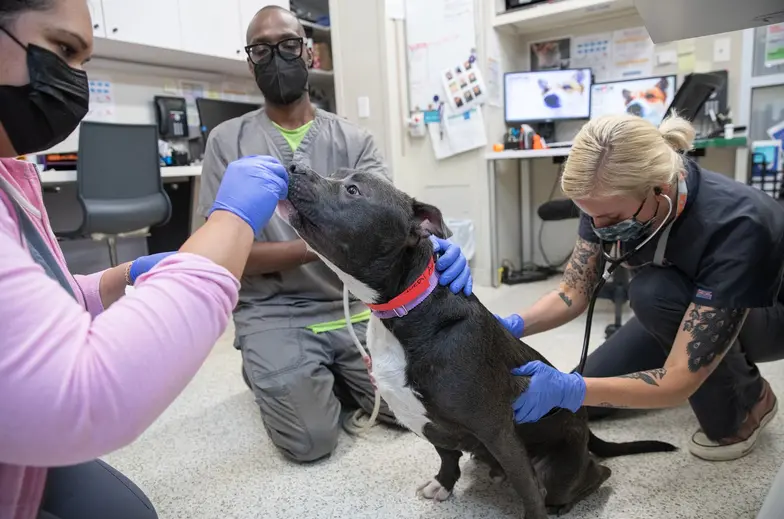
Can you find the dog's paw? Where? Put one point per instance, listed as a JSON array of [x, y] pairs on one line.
[[434, 490]]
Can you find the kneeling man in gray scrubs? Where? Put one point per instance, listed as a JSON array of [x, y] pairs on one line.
[[298, 356]]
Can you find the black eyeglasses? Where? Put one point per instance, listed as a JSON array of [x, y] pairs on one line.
[[289, 49]]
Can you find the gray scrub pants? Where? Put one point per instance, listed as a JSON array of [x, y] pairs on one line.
[[659, 298], [297, 376]]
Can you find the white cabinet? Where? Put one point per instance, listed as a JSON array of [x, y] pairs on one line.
[[96, 13], [210, 27], [147, 22]]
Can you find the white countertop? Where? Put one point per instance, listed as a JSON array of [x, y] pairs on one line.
[[52, 176], [527, 154]]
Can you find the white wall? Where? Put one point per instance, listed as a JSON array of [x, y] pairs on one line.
[[135, 86]]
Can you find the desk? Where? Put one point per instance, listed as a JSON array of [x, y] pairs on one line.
[[52, 177], [524, 158]]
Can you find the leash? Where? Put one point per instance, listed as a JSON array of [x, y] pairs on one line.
[[352, 424], [417, 292]]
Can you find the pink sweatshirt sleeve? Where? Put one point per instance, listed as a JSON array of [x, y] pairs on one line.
[[90, 286], [74, 387]]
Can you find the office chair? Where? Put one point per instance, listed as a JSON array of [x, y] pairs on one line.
[[616, 289], [119, 184]]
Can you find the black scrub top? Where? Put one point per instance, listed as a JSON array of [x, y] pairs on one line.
[[729, 241]]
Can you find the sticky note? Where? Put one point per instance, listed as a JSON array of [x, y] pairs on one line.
[[702, 66], [686, 63]]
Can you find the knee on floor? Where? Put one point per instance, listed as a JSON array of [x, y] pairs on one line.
[[308, 445]]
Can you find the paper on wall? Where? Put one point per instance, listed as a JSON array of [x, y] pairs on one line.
[[191, 90], [495, 78], [439, 34], [721, 49], [593, 51], [774, 45], [102, 103], [170, 87], [461, 132], [464, 86], [232, 92], [632, 53], [686, 63]]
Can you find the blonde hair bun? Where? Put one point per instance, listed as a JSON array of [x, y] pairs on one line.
[[678, 132]]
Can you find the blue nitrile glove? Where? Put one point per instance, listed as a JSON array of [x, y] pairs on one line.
[[453, 266], [514, 323], [141, 265], [549, 388], [251, 189]]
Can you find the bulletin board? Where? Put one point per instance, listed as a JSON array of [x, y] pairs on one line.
[[440, 34]]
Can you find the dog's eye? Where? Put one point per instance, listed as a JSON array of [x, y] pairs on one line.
[[352, 190]]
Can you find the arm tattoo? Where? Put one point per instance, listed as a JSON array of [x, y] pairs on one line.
[[712, 331], [608, 404], [581, 273], [651, 377]]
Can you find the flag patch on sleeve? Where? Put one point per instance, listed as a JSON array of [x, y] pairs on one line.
[[704, 294]]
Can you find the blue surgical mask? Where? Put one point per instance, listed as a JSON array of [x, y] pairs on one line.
[[627, 230]]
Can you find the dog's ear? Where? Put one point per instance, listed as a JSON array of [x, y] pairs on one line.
[[663, 83], [429, 219], [627, 95]]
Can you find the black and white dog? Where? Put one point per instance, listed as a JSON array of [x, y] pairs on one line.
[[442, 361]]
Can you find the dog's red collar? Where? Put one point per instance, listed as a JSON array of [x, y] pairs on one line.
[[411, 297]]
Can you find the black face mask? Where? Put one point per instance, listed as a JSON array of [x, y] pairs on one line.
[[281, 81], [44, 112]]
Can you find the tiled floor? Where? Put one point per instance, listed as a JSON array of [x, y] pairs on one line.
[[208, 457]]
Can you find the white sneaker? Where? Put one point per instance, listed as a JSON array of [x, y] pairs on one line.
[[744, 441]]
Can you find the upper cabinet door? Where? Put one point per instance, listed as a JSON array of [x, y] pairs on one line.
[[148, 22], [211, 27], [96, 13]]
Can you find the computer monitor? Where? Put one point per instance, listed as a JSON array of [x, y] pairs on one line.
[[547, 95], [694, 93], [212, 112], [647, 97]]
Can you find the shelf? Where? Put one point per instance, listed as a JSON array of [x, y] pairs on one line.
[[148, 55], [561, 14]]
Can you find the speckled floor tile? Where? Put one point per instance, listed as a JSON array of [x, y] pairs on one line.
[[208, 457]]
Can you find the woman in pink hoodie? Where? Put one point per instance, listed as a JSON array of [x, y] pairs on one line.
[[84, 370]]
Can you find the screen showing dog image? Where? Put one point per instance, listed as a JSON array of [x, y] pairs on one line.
[[477, 91], [551, 55], [459, 70], [458, 101], [449, 75], [648, 98], [547, 95], [463, 83], [467, 65], [468, 96], [453, 87], [472, 77]]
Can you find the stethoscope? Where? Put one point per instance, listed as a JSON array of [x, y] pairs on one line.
[[615, 262]]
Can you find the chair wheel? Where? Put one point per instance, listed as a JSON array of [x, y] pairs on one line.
[[611, 329]]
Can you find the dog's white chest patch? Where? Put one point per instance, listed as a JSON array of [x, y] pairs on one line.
[[389, 372]]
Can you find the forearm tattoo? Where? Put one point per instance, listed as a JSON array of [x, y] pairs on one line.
[[712, 331], [650, 377], [614, 406], [581, 273]]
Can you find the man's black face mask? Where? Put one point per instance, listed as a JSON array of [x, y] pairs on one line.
[[282, 81]]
